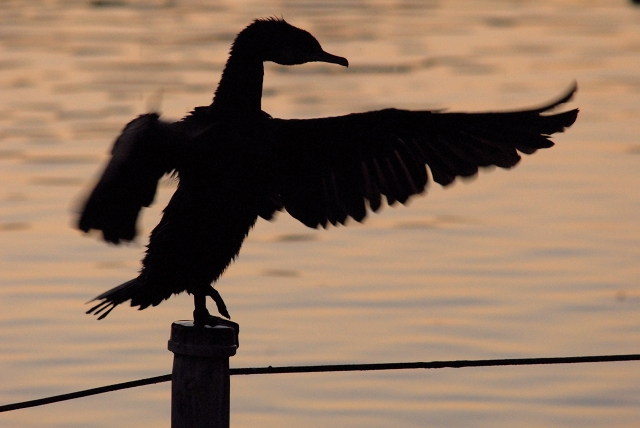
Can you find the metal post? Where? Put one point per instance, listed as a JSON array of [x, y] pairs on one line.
[[200, 377]]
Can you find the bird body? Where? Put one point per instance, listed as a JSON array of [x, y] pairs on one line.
[[236, 163], [221, 169]]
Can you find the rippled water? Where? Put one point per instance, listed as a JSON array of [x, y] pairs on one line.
[[539, 261]]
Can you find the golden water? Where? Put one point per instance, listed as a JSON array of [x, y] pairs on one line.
[[543, 260]]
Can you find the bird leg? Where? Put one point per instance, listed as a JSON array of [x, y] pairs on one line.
[[201, 315]]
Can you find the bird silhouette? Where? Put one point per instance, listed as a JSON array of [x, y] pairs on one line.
[[236, 163]]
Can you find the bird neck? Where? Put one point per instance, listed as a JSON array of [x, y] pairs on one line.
[[239, 92]]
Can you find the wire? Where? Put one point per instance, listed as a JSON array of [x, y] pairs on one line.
[[435, 364], [334, 368], [85, 393]]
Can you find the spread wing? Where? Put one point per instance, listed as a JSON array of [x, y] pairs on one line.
[[141, 155], [329, 169]]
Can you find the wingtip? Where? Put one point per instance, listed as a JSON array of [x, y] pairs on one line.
[[571, 92], [568, 96]]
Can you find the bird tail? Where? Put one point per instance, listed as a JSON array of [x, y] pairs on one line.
[[112, 298]]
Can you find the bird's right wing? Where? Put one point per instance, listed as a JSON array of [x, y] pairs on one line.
[[142, 154], [327, 170]]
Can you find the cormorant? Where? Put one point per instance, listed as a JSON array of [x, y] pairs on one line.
[[235, 163]]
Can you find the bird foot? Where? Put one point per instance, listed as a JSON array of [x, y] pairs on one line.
[[200, 318]]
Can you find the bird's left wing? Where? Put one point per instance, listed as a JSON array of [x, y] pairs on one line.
[[141, 155], [329, 169]]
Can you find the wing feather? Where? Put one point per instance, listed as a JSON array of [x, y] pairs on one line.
[[326, 170], [141, 155]]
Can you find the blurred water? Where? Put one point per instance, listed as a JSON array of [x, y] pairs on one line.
[[538, 261]]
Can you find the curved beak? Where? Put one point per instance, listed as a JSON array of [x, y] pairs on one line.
[[323, 56]]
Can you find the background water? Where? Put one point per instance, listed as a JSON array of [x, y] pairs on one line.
[[539, 261]]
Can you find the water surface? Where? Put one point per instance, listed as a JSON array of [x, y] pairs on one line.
[[538, 261]]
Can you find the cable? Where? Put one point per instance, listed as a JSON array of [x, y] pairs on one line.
[[435, 364], [334, 368], [85, 393]]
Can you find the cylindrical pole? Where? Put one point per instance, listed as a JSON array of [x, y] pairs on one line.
[[200, 377]]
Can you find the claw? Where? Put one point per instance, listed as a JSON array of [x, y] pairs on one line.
[[202, 317], [222, 308]]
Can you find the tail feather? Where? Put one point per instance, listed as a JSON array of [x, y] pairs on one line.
[[112, 298]]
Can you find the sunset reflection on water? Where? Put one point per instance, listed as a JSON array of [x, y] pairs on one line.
[[538, 261]]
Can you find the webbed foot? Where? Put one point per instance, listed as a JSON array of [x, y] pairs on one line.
[[202, 317]]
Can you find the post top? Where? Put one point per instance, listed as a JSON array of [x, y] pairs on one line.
[[202, 340]]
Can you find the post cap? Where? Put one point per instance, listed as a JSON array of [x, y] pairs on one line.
[[202, 340]]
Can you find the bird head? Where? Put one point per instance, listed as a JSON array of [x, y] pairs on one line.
[[282, 43]]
